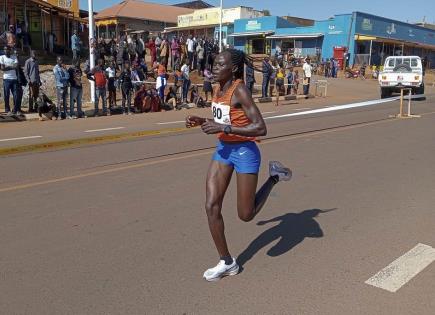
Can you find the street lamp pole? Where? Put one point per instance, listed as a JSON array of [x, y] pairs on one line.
[[91, 45], [220, 27]]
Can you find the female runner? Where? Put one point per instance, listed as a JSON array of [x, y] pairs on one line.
[[237, 121]]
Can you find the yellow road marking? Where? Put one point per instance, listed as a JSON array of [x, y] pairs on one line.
[[86, 141]]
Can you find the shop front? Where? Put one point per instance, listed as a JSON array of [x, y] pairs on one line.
[[42, 20]]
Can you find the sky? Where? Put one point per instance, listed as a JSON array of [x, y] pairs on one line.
[[403, 10]]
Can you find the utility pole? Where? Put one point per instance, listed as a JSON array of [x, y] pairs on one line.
[[91, 45], [220, 27]]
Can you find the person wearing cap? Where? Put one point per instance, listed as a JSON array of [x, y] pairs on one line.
[[307, 71]]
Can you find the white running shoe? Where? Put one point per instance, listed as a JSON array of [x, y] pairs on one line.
[[221, 270], [276, 168]]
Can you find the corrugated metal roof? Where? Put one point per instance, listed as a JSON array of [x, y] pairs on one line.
[[141, 10]]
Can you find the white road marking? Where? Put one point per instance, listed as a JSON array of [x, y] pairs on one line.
[[403, 269], [172, 122], [338, 107], [305, 108], [104, 129], [20, 138], [269, 112]]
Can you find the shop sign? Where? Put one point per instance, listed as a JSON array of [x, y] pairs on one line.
[[253, 26], [367, 25], [391, 29]]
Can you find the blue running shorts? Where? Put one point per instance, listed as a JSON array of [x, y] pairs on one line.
[[245, 157]]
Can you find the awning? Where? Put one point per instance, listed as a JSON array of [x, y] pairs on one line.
[[283, 36], [106, 22], [246, 34], [363, 37], [393, 41], [196, 27]]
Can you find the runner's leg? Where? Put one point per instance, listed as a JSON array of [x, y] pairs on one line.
[[218, 179], [249, 203]]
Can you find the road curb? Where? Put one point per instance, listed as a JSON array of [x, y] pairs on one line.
[[71, 143]]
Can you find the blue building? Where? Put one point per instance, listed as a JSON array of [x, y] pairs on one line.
[[367, 38]]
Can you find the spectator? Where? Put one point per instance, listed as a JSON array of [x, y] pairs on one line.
[[98, 75], [44, 106], [183, 50], [250, 77], [161, 79], [121, 56], [280, 81], [164, 52], [111, 74], [75, 46], [175, 51], [62, 78], [208, 88], [336, 67], [76, 90], [195, 54], [171, 98], [140, 47], [296, 82], [185, 70], [195, 98], [200, 52], [9, 65], [272, 80], [9, 37], [126, 87], [190, 50], [139, 99], [153, 50], [290, 81], [158, 42], [31, 71], [267, 73], [22, 82], [307, 75]]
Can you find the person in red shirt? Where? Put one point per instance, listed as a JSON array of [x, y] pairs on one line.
[[98, 74], [153, 50], [237, 121]]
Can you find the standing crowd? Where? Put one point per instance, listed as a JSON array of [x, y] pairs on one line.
[[121, 66]]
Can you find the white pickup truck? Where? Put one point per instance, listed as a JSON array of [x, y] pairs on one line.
[[402, 72]]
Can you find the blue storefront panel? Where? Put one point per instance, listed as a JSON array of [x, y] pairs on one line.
[[371, 25]]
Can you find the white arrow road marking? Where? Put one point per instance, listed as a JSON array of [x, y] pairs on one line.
[[403, 269]]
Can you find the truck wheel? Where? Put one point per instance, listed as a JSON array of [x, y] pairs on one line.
[[420, 91], [385, 93]]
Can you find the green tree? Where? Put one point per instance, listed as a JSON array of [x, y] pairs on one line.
[[266, 13]]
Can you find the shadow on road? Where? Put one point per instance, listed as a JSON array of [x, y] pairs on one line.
[[292, 229]]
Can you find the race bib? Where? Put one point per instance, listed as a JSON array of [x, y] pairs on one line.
[[221, 113]]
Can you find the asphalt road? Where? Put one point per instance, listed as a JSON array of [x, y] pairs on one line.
[[119, 228]]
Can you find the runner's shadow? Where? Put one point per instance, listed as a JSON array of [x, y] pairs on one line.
[[292, 229]]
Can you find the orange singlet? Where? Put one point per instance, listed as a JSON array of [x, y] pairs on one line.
[[226, 114]]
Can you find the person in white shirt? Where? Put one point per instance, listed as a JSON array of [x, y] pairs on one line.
[[185, 70], [190, 43], [307, 75], [111, 74], [9, 66]]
